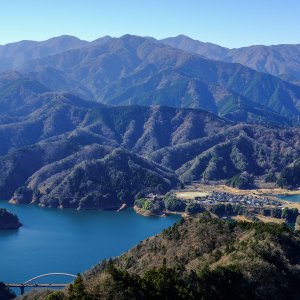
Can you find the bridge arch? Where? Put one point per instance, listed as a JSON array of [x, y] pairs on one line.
[[49, 274]]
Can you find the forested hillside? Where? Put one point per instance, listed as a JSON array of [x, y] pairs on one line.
[[55, 143], [290, 175]]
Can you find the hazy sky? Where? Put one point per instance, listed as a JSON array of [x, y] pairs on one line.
[[231, 23]]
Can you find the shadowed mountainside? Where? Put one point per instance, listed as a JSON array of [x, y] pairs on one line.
[[56, 143]]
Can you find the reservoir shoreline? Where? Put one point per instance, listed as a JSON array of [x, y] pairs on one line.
[[67, 240]]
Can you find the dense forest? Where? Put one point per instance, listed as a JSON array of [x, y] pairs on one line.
[[55, 143], [290, 175]]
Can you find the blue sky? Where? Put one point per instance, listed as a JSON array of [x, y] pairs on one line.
[[231, 23]]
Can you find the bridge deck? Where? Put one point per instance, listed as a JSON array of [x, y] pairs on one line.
[[37, 284]]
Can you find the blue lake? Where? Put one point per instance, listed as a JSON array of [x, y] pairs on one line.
[[292, 198], [53, 240]]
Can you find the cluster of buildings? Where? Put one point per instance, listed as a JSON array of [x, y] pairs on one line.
[[153, 197], [245, 200]]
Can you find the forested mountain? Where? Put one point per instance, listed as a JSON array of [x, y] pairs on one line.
[[278, 60], [94, 155], [136, 70], [15, 54]]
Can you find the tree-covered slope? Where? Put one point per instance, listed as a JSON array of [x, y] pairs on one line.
[[255, 149], [106, 183], [290, 175], [48, 139], [202, 257]]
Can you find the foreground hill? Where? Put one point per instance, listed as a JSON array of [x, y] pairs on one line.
[[137, 70], [278, 60], [200, 257], [55, 144]]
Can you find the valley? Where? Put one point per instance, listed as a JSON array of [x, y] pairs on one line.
[[194, 136], [261, 204]]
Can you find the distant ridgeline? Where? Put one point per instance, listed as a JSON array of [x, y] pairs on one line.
[[199, 258], [137, 70], [224, 121]]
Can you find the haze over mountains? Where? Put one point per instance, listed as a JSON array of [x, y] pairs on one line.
[[136, 70], [15, 54], [279, 60], [70, 124]]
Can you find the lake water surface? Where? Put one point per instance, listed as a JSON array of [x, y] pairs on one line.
[[292, 198], [53, 240]]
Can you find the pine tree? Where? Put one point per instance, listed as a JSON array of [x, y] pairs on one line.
[[77, 290]]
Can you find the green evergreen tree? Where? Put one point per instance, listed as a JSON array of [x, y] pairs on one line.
[[77, 290], [56, 296]]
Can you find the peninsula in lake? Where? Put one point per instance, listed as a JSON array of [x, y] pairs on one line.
[[8, 220]]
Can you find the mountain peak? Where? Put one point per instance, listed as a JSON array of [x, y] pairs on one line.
[[65, 37], [183, 36]]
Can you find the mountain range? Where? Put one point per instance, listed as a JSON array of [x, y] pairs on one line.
[[15, 54], [137, 70], [54, 143], [97, 124], [279, 60]]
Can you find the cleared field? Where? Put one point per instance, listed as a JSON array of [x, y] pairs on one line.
[[190, 195], [200, 190], [291, 204], [241, 218], [270, 219]]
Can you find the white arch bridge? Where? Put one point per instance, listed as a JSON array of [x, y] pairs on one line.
[[30, 282]]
